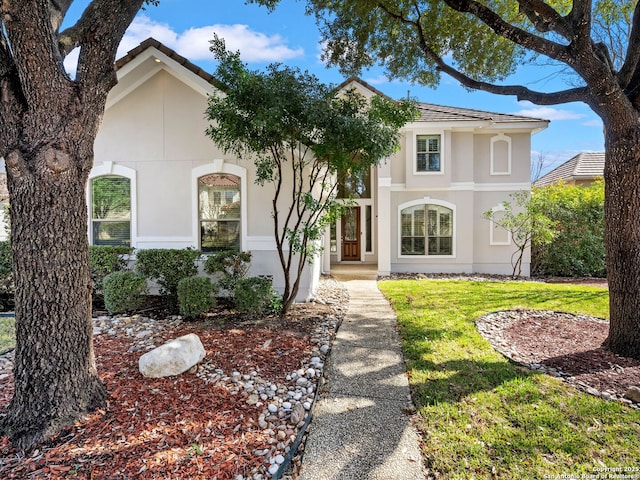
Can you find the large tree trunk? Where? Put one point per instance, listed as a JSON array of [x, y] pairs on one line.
[[55, 374], [622, 232]]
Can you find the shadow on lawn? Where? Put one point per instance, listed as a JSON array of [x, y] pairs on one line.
[[461, 378]]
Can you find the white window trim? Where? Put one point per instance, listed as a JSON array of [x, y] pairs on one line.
[[430, 201], [492, 227], [414, 150], [501, 137], [110, 168], [218, 166]]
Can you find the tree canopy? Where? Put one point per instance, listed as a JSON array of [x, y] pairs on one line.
[[302, 136]]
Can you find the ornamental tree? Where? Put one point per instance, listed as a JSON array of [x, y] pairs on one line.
[[597, 42], [303, 137], [48, 124]]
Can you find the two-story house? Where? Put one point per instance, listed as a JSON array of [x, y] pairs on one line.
[[159, 182]]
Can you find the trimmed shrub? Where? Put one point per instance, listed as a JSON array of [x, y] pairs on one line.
[[255, 294], [195, 296], [230, 265], [167, 267], [124, 291], [577, 249], [106, 259]]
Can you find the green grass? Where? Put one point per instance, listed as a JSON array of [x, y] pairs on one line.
[[7, 334], [484, 417]]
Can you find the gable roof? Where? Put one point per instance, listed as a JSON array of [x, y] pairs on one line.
[[583, 166], [152, 42]]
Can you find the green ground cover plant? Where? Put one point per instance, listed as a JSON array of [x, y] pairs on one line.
[[484, 417], [7, 334]]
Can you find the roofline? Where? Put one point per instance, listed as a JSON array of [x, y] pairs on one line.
[[364, 84], [172, 54]]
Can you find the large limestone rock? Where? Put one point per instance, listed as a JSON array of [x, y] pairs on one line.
[[172, 358]]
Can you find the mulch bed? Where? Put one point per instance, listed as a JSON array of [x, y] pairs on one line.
[[176, 427]]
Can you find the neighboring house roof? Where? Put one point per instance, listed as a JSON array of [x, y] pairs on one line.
[[584, 166]]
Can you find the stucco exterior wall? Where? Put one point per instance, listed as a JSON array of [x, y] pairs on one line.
[[154, 125]]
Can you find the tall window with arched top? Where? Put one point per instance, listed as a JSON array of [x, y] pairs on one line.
[[426, 229], [219, 211], [111, 210]]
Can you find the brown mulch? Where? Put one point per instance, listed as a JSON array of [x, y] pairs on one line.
[[175, 427], [572, 345]]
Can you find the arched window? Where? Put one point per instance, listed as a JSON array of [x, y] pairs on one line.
[[219, 212], [111, 210], [426, 229]]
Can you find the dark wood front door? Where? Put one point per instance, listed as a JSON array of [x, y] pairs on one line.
[[351, 234]]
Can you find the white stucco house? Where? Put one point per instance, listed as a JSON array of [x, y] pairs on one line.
[[420, 211]]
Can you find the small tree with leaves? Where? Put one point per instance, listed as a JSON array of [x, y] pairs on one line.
[[524, 221], [300, 134]]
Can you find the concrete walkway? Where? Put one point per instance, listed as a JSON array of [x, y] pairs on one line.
[[360, 429]]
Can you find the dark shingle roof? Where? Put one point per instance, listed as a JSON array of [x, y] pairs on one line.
[[584, 166]]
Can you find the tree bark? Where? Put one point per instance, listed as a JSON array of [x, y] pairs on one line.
[[56, 381], [622, 232]]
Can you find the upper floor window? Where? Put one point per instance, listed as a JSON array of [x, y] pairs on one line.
[[426, 229], [428, 150], [111, 210], [219, 212]]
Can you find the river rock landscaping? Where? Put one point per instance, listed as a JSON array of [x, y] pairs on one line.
[[236, 415]]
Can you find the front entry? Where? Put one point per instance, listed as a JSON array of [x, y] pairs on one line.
[[351, 234]]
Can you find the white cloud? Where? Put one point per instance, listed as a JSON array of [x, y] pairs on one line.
[[194, 42], [378, 80], [547, 113], [596, 122]]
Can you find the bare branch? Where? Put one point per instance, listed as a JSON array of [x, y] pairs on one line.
[[630, 66]]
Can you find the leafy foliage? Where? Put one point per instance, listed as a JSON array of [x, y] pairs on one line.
[[256, 294], [167, 267], [195, 296], [577, 249], [299, 133], [230, 265], [124, 291], [6, 268], [524, 221], [106, 259]]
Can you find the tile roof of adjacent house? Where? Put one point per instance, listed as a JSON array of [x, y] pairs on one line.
[[584, 166]]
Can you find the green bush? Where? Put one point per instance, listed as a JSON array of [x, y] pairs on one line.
[[578, 247], [106, 259], [255, 294], [167, 267], [123, 291], [6, 268], [230, 265], [195, 296]]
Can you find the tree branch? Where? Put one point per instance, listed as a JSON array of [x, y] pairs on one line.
[[510, 32], [632, 59], [545, 18], [58, 9]]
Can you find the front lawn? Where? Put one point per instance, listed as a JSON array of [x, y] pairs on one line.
[[485, 417]]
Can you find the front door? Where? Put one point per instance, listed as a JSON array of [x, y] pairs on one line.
[[351, 234]]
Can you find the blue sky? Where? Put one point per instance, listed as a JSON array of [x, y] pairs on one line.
[[288, 36]]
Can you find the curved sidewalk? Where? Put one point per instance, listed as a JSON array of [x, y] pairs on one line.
[[361, 428]]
